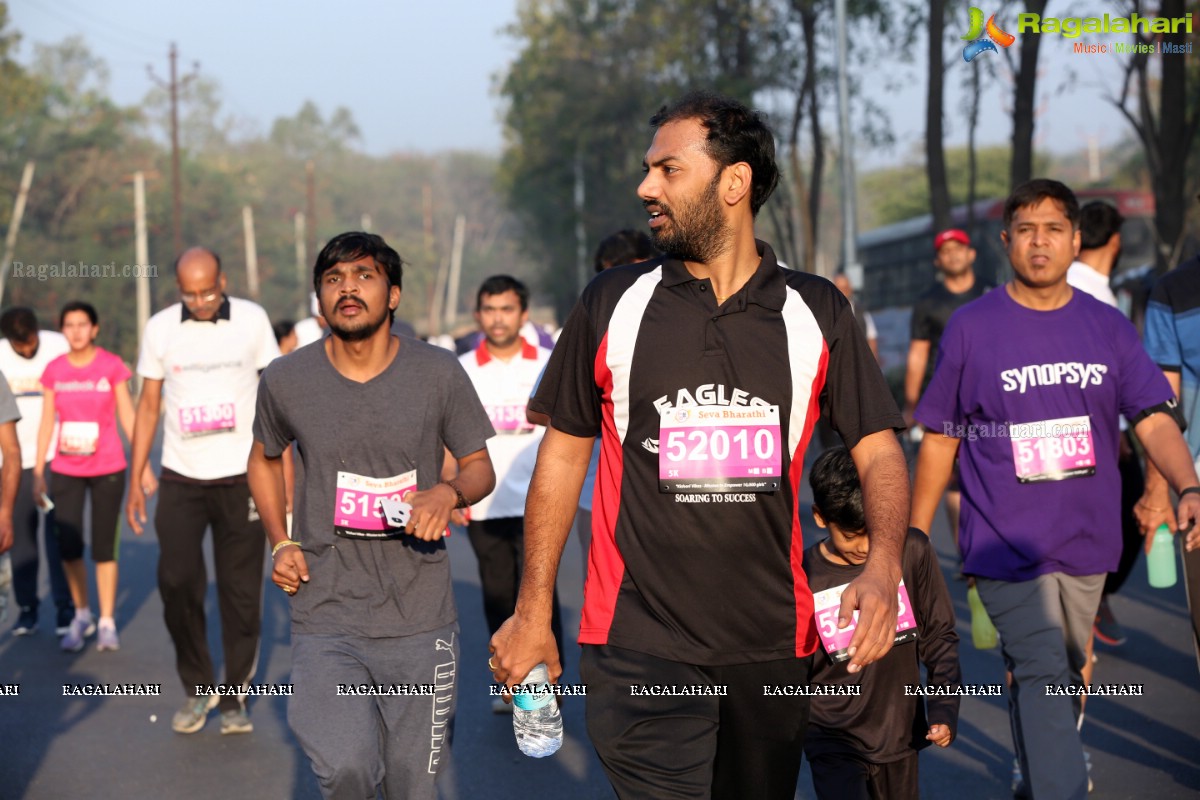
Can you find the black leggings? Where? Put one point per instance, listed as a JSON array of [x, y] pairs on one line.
[[69, 494]]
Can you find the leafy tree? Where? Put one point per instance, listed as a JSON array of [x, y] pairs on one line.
[[21, 106], [1164, 112], [308, 133], [901, 193], [588, 76]]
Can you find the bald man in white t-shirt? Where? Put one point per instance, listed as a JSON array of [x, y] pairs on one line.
[[199, 365]]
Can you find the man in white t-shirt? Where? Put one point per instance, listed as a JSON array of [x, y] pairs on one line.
[[1099, 250], [24, 354], [504, 368], [199, 364], [313, 328]]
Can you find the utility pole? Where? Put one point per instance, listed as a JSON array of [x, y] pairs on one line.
[[310, 209], [173, 87], [301, 265], [581, 270], [141, 256], [456, 252], [14, 224], [251, 252]]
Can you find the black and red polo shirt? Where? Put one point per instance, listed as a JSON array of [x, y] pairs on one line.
[[704, 414]]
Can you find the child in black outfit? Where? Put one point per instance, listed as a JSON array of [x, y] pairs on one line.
[[865, 745]]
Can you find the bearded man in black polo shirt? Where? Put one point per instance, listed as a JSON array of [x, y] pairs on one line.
[[703, 372]]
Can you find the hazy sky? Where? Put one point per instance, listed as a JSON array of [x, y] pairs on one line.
[[415, 75], [420, 75]]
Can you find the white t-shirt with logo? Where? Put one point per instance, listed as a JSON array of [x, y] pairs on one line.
[[1087, 278], [210, 384], [504, 388], [25, 380]]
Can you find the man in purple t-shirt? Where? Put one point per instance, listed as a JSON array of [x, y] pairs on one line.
[[1028, 388]]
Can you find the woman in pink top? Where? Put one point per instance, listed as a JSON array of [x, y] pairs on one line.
[[86, 392]]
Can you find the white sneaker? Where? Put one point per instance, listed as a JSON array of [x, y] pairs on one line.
[[107, 639], [80, 629]]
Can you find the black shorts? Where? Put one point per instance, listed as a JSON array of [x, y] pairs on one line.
[[662, 730]]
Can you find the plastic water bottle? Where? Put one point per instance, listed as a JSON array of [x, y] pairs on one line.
[[536, 721], [1160, 563], [983, 632]]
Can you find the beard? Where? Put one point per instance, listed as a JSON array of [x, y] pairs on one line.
[[360, 329], [697, 230]]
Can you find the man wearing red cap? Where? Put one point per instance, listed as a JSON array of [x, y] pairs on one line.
[[955, 260]]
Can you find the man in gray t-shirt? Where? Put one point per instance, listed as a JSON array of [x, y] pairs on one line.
[[374, 628], [10, 475]]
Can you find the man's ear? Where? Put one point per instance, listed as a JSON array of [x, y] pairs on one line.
[[736, 183]]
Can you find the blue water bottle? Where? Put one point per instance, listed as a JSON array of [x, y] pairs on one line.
[[1160, 563]]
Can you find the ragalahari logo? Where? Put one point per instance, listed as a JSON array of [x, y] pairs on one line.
[[995, 36]]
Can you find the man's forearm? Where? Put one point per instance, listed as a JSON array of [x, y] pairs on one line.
[[265, 476], [1157, 489], [549, 512], [10, 480], [884, 476], [476, 479], [935, 462], [1167, 450], [145, 423], [1156, 484], [918, 358]]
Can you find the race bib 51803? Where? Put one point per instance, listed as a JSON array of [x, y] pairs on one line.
[[1053, 449]]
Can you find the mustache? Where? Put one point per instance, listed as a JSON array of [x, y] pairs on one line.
[[662, 207]]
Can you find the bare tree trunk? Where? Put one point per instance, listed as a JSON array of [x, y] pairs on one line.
[[797, 213], [1021, 169], [801, 221], [935, 151], [780, 215], [808, 20], [972, 127], [1167, 130], [1176, 134], [731, 35]]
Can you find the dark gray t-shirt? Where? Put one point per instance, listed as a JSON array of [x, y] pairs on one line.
[[8, 403], [357, 436]]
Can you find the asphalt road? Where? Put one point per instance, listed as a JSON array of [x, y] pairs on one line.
[[53, 746]]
